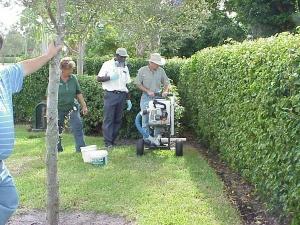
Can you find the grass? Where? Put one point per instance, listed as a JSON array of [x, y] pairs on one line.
[[157, 188]]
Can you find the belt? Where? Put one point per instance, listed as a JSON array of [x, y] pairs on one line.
[[116, 92]]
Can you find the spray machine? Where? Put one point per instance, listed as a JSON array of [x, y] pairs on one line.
[[161, 119]]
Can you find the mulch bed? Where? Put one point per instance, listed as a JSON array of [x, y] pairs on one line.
[[240, 192]]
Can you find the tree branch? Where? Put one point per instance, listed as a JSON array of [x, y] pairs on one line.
[[84, 30], [73, 50], [53, 20]]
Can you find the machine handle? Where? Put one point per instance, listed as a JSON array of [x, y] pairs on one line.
[[155, 102]]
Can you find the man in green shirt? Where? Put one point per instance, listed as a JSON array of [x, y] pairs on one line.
[[151, 80], [69, 94]]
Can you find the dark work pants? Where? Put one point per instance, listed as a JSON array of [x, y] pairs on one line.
[[113, 112]]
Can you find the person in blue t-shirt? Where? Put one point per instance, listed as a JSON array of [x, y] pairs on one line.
[[11, 81]]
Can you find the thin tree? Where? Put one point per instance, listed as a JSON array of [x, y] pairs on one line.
[[52, 117]]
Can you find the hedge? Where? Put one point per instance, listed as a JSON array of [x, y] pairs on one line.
[[35, 88], [244, 100]]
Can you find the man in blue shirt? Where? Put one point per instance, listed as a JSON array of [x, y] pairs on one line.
[[11, 81]]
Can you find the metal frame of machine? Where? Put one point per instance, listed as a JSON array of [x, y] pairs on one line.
[[161, 114]]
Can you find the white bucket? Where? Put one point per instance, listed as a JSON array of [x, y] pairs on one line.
[[86, 149], [99, 157], [90, 154]]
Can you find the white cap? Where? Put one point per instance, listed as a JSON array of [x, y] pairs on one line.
[[122, 52]]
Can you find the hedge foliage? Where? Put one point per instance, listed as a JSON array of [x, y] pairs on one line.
[[244, 100], [35, 88]]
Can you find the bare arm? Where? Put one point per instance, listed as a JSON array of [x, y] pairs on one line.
[[166, 88], [103, 79], [82, 103], [32, 65], [142, 88], [166, 84], [102, 75]]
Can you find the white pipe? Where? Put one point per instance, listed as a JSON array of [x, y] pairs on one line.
[[172, 115], [166, 140]]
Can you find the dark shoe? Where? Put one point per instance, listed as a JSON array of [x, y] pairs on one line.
[[59, 147]]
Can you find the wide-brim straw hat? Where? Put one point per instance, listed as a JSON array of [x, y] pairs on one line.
[[157, 59]]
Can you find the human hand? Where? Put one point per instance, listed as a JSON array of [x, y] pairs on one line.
[[84, 110], [53, 50], [115, 76], [164, 94], [151, 93], [129, 105]]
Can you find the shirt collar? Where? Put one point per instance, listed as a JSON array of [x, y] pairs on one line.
[[152, 70]]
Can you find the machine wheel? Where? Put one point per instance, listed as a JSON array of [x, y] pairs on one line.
[[179, 148], [140, 147]]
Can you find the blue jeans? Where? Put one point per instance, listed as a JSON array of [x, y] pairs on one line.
[[144, 103], [9, 199], [138, 125], [76, 128]]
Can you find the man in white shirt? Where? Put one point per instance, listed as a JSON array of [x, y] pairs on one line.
[[114, 76]]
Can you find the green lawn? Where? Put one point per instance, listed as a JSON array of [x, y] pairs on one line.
[[157, 188]]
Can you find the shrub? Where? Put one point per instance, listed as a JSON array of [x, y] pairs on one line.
[[35, 88], [33, 92], [244, 100], [93, 94]]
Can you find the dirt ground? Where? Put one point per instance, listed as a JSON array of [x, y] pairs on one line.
[[66, 218]]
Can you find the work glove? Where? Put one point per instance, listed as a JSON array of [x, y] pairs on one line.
[[129, 105], [115, 76]]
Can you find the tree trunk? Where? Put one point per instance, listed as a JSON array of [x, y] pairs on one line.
[[80, 59], [52, 124], [44, 44], [140, 49]]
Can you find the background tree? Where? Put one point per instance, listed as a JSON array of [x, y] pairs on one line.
[[139, 25], [264, 17], [81, 19], [143, 23], [214, 31], [14, 43], [104, 40]]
